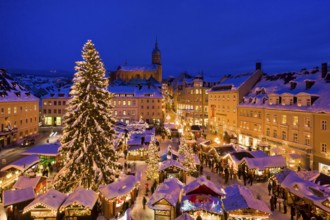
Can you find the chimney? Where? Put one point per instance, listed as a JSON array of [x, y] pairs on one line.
[[309, 84], [258, 65], [324, 69]]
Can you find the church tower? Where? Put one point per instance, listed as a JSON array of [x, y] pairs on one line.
[[156, 54]]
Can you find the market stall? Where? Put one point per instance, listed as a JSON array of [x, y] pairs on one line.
[[241, 204], [38, 183], [172, 169], [14, 201], [309, 198], [165, 200], [80, 205], [264, 167], [119, 195], [203, 198], [46, 206]]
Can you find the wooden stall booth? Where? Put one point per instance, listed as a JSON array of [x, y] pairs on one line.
[[166, 199], [172, 169], [80, 205], [118, 196], [46, 206]]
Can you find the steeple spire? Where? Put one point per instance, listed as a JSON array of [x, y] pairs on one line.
[[156, 44]]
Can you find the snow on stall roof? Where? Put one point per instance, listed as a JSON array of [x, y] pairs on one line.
[[171, 163], [196, 158], [52, 200], [26, 182], [169, 190], [11, 197], [258, 153], [84, 197], [306, 189], [11, 91], [240, 197], [265, 162], [280, 177], [23, 163], [202, 180], [280, 84], [43, 150], [185, 216], [123, 185]]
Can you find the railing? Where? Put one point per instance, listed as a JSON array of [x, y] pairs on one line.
[[7, 131]]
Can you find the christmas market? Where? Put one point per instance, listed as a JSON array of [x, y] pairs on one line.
[[172, 169]]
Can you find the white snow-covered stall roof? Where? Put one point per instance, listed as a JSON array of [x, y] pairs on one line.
[[185, 216], [23, 163], [26, 182], [169, 190], [318, 195], [171, 163], [52, 200], [202, 202], [258, 153], [11, 197], [123, 185], [265, 162], [84, 197], [240, 197], [280, 177], [43, 150], [203, 181]]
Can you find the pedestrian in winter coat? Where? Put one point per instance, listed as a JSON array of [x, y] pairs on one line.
[[271, 201], [293, 212], [284, 206], [239, 172], [144, 202], [269, 188], [275, 201]]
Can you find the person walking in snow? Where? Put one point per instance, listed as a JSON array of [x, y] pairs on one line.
[[269, 188], [271, 201], [144, 202], [284, 205]]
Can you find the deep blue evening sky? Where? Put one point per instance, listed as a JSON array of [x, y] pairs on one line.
[[217, 37]]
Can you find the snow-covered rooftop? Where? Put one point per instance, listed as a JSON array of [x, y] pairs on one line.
[[240, 197], [51, 200], [11, 91], [142, 91], [202, 181], [265, 162], [169, 190], [306, 189], [196, 159], [23, 163], [26, 182], [152, 67], [309, 82], [84, 197], [43, 150], [171, 163], [201, 202], [231, 82], [123, 185], [11, 197]]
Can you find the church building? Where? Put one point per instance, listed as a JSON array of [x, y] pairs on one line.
[[154, 70]]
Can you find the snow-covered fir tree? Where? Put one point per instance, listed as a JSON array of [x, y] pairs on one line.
[[188, 159], [87, 150], [153, 161]]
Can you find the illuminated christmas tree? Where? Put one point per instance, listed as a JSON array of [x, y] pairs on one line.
[[153, 161], [87, 143], [187, 156]]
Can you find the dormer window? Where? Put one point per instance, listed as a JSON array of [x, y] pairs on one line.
[[309, 84], [293, 85], [309, 103]]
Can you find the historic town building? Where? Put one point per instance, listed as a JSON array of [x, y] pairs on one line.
[[19, 111], [127, 73]]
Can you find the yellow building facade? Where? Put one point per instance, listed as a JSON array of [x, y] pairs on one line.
[[19, 111], [53, 110]]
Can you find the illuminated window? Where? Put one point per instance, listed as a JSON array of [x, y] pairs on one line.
[[283, 135], [307, 139], [283, 119], [307, 122], [9, 110], [15, 109], [295, 120]]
